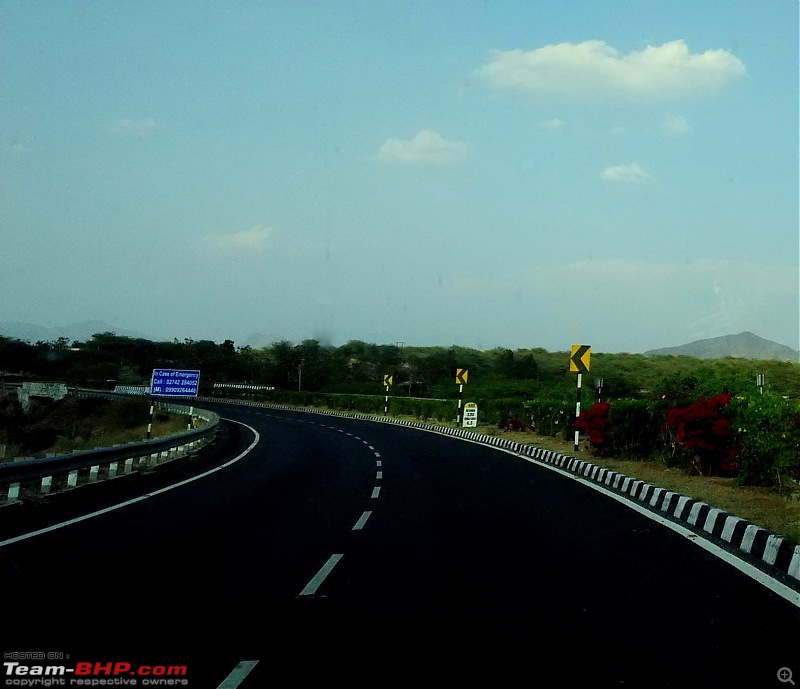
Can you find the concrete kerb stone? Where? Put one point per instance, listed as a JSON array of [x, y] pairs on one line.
[[775, 551]]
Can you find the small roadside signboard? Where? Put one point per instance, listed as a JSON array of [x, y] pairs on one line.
[[470, 415], [170, 382]]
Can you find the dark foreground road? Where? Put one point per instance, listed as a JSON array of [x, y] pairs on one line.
[[345, 551]]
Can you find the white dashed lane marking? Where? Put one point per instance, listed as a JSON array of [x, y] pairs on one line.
[[361, 521], [238, 674], [376, 491], [316, 581]]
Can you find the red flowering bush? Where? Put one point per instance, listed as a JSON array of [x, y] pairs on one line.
[[596, 423], [703, 431]]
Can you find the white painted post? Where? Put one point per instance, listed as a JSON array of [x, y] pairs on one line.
[[128, 465], [112, 469], [93, 472], [47, 482], [13, 492], [72, 479]]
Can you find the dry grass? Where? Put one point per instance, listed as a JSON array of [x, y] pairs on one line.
[[109, 436]]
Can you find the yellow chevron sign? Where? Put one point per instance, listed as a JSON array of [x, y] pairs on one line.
[[579, 358], [461, 376], [387, 379]]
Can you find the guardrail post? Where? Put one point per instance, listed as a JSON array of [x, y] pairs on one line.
[[47, 482], [112, 469], [13, 492], [72, 479], [128, 465], [93, 472]]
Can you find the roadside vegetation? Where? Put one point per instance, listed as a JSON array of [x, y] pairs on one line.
[[57, 427], [703, 427]]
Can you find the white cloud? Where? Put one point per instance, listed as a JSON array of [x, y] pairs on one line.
[[593, 69], [137, 127], [253, 240], [676, 125], [632, 172], [425, 147]]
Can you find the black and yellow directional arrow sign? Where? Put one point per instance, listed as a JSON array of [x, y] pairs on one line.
[[579, 358], [387, 379], [461, 376]]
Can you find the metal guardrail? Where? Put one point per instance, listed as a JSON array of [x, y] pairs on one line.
[[39, 477]]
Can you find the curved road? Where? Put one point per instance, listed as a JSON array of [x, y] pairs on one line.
[[330, 549]]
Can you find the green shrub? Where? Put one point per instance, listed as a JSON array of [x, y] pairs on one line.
[[767, 429]]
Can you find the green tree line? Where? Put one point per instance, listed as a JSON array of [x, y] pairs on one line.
[[530, 386]]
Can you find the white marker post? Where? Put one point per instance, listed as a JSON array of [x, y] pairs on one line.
[[461, 378], [578, 411], [579, 363]]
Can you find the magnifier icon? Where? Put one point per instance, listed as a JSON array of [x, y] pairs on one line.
[[785, 676]]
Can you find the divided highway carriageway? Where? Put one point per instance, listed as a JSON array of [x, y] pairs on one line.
[[302, 548]]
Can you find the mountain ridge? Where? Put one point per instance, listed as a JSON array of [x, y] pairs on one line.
[[744, 345]]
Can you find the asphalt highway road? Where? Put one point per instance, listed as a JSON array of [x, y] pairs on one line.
[[338, 550]]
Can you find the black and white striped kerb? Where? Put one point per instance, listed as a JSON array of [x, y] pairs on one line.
[[243, 386], [768, 548], [132, 389]]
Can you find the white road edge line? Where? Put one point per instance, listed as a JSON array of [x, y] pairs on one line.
[[746, 568], [120, 505], [238, 674], [316, 581]]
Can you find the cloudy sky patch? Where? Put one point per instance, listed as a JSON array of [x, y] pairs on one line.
[[594, 69], [255, 239], [136, 127], [426, 147], [630, 172], [405, 192]]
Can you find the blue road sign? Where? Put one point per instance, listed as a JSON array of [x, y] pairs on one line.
[[170, 382]]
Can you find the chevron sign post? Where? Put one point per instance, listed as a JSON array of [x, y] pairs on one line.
[[461, 378], [387, 381], [579, 363]]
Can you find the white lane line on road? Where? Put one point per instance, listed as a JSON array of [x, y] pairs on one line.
[[743, 566], [378, 463], [120, 505], [378, 475], [361, 521], [785, 592], [376, 491], [238, 674], [377, 454], [370, 447], [319, 577]]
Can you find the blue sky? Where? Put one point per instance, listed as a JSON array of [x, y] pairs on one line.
[[516, 174]]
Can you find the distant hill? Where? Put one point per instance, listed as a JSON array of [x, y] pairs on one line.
[[745, 345]]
